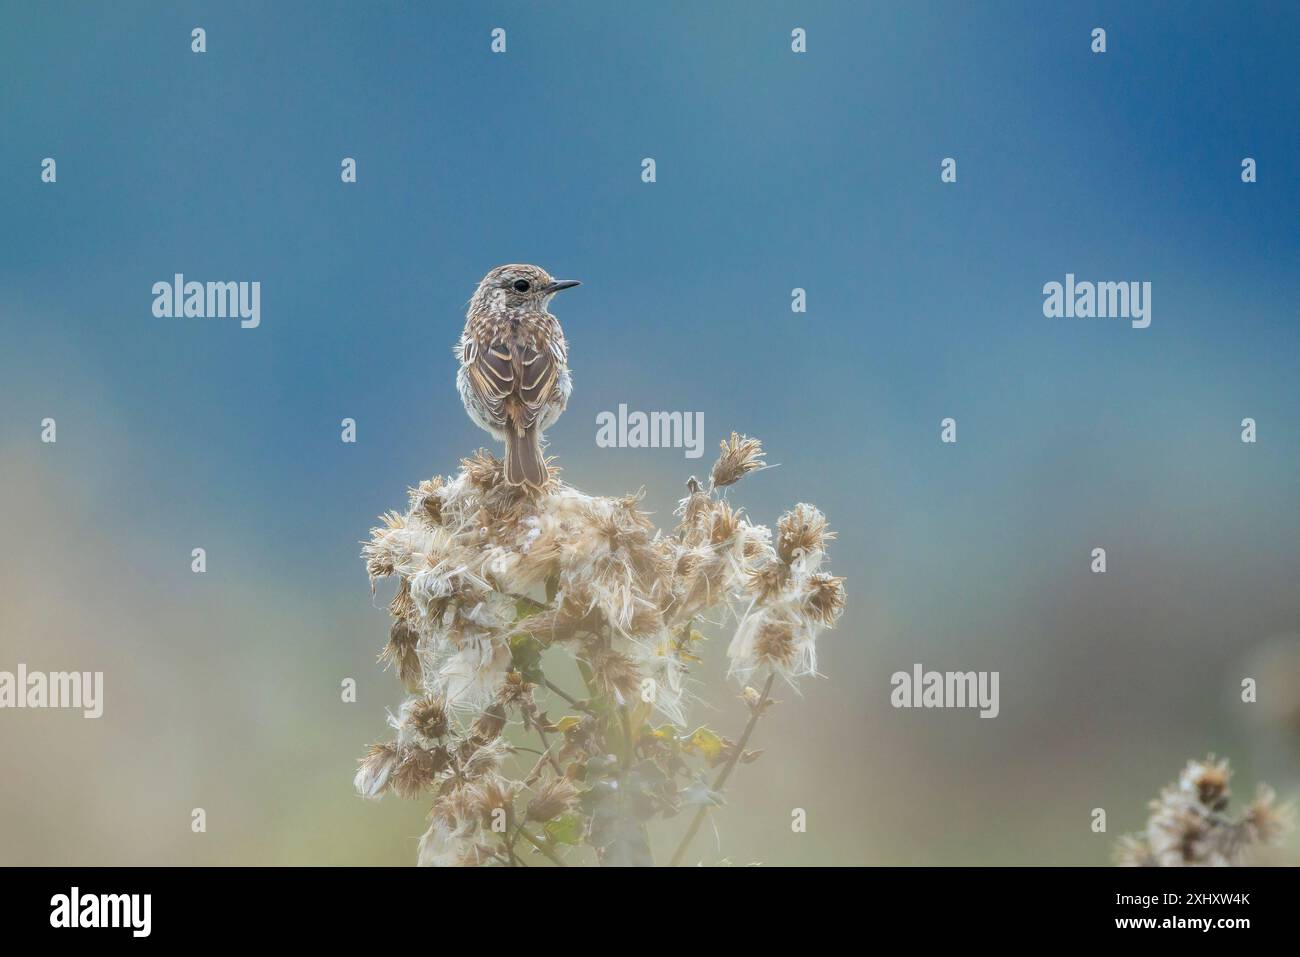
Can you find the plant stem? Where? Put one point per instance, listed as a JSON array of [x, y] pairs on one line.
[[725, 773], [547, 755], [556, 689], [510, 847], [541, 847]]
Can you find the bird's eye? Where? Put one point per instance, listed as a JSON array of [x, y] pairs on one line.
[[521, 285]]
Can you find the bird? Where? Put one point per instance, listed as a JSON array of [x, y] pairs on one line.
[[514, 365]]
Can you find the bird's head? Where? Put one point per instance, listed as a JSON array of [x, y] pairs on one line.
[[516, 288]]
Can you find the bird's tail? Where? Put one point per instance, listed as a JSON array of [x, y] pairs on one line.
[[524, 465]]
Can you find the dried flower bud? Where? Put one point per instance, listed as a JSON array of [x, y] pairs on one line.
[[402, 607], [401, 652], [693, 509], [723, 523], [428, 717], [775, 644], [767, 580], [491, 722], [1265, 823], [425, 502], [375, 769], [490, 795], [482, 469], [616, 673], [754, 700], [554, 798], [824, 598], [417, 771], [1208, 780], [515, 690], [1190, 824], [739, 457], [801, 531]]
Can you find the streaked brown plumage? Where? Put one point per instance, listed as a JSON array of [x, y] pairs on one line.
[[514, 371]]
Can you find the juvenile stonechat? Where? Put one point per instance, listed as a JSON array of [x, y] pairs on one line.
[[514, 369]]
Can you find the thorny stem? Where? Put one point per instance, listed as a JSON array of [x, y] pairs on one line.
[[755, 713]]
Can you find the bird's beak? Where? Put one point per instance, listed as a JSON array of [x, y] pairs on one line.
[[559, 284]]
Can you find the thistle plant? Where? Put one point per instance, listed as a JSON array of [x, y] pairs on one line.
[[545, 640], [1190, 824]]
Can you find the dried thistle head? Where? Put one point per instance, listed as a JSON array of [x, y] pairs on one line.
[[401, 652], [576, 600], [645, 620], [615, 673], [801, 531], [740, 456], [402, 607], [429, 718], [470, 557], [375, 769], [450, 809], [768, 580], [417, 770], [1265, 822], [554, 798], [1208, 781], [823, 598], [515, 690], [1190, 824], [692, 510], [380, 552], [724, 522], [483, 470], [475, 757], [425, 502], [491, 794], [775, 643], [491, 722]]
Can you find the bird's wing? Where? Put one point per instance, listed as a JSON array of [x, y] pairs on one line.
[[528, 374], [537, 372], [491, 375]]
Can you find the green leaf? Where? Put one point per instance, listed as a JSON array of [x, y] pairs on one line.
[[526, 655], [706, 741], [665, 733], [565, 829], [525, 609]]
